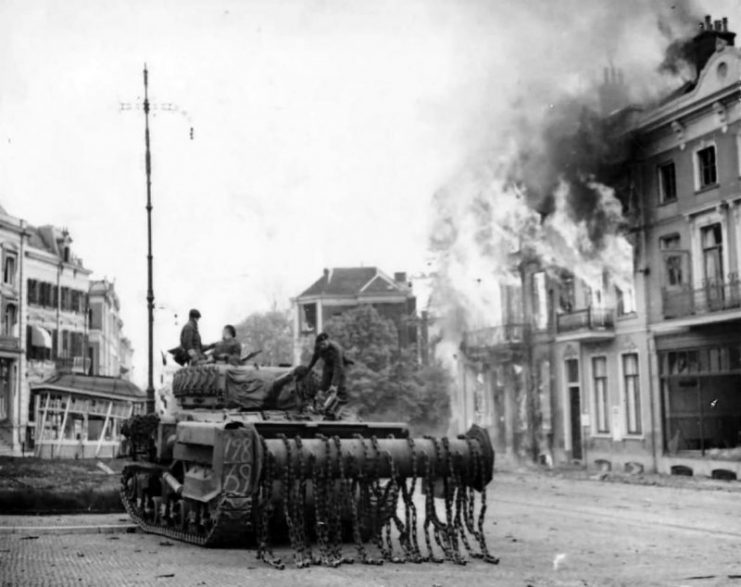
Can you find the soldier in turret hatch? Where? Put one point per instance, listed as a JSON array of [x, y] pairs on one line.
[[228, 349], [333, 373]]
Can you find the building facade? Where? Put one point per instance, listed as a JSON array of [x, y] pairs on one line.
[[342, 289], [45, 323], [643, 375], [57, 284], [690, 169], [13, 392], [110, 351]]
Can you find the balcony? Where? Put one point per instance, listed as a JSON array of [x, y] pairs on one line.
[[79, 365], [9, 343], [589, 324], [712, 296], [477, 343]]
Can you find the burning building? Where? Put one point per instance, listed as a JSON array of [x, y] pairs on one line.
[[613, 241]]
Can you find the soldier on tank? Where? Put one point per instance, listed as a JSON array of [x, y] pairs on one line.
[[190, 339], [333, 374], [228, 349]]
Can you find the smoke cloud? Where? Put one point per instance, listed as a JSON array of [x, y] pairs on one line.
[[550, 181]]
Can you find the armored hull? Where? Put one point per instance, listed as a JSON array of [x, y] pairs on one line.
[[245, 459]]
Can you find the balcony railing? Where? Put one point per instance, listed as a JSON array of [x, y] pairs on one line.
[[495, 336], [9, 343], [73, 364], [589, 319], [712, 296]]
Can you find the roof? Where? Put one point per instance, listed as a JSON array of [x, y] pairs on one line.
[[353, 281], [48, 238], [341, 281], [97, 385]]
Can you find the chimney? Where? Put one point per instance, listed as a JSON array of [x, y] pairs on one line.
[[400, 277], [613, 94], [713, 36]]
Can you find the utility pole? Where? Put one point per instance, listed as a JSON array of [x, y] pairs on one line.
[[150, 287], [147, 107]]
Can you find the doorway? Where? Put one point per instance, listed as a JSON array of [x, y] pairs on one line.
[[572, 382]]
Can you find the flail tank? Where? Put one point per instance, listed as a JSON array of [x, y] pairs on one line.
[[244, 461]]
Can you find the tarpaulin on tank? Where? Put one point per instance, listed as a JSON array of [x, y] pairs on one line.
[[259, 389]]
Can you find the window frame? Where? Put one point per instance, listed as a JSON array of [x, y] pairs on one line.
[[638, 403], [700, 185], [674, 252], [663, 199], [568, 386], [10, 256], [596, 430]]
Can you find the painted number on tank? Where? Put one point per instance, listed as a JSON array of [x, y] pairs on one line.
[[237, 464]]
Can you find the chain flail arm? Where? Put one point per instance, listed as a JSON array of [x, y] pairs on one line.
[[265, 512]]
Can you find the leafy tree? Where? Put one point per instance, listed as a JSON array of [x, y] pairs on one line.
[[387, 383], [269, 331]]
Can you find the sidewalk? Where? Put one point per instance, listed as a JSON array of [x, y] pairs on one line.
[[66, 524], [576, 473]]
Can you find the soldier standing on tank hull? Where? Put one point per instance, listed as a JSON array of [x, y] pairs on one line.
[[333, 374], [190, 339]]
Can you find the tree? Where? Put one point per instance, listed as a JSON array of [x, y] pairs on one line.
[[270, 332], [386, 383]]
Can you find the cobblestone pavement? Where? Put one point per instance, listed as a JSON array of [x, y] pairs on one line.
[[547, 531]]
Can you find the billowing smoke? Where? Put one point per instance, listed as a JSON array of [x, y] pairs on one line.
[[552, 180]]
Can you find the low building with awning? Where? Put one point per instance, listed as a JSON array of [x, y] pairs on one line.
[[80, 416]]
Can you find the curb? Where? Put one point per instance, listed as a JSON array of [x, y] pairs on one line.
[[62, 530]]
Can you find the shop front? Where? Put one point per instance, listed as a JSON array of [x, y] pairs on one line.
[[700, 382]]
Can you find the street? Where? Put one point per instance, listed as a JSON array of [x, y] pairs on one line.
[[547, 530]]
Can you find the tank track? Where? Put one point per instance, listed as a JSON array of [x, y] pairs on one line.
[[232, 516]]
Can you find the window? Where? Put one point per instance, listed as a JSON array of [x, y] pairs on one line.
[[5, 387], [308, 317], [667, 182], [66, 301], [33, 293], [700, 406], [9, 317], [711, 238], [625, 301], [674, 260], [540, 301], [567, 298], [632, 392], [706, 167], [601, 405], [9, 269], [65, 343]]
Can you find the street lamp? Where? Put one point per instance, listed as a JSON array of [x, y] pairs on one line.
[[150, 286]]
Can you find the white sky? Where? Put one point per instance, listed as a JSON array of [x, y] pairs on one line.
[[322, 129]]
